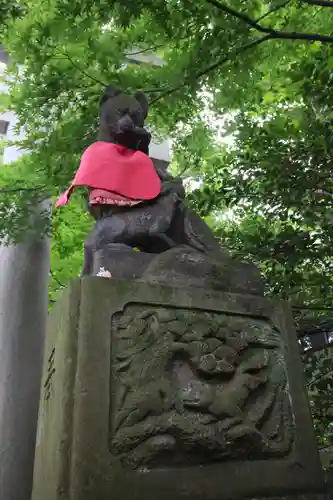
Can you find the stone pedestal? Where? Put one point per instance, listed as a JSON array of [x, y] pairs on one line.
[[157, 392]]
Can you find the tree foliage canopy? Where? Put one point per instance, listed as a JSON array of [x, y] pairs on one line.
[[245, 94]]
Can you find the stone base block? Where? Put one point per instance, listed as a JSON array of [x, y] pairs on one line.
[[168, 393]]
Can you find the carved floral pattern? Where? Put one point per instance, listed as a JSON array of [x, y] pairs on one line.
[[191, 386]]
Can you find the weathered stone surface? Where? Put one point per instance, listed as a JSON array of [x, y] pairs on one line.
[[179, 266], [175, 393], [190, 397]]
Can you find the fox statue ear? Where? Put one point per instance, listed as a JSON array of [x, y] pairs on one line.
[[143, 101], [109, 92]]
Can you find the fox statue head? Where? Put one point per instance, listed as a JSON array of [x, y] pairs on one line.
[[122, 119]]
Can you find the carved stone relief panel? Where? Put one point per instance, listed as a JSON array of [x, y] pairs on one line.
[[197, 387]]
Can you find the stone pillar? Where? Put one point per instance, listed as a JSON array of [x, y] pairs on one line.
[[152, 391], [24, 271]]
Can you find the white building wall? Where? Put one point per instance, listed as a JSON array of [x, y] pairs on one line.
[[11, 153], [160, 151]]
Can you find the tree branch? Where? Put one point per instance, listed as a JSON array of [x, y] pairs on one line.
[[212, 67], [238, 15], [312, 308], [77, 66], [152, 91], [324, 192], [325, 447], [151, 49], [56, 279], [313, 350], [311, 37], [320, 377], [319, 3], [272, 10]]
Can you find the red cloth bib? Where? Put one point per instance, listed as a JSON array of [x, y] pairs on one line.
[[112, 167]]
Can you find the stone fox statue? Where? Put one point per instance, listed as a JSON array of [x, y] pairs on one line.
[[135, 204]]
